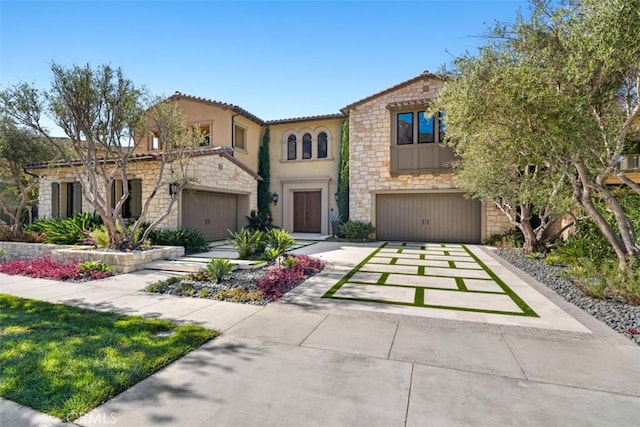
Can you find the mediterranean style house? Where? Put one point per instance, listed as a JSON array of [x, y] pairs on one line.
[[401, 175]]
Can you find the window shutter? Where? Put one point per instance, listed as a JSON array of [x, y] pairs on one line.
[[55, 200], [135, 198], [77, 197]]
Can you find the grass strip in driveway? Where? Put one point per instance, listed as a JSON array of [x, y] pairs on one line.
[[65, 361]]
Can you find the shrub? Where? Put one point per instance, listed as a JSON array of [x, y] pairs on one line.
[[586, 243], [9, 234], [260, 221], [247, 242], [204, 293], [192, 240], [271, 254], [46, 268], [163, 286], [512, 238], [185, 290], [219, 268], [2, 254], [356, 230], [94, 265], [279, 280], [280, 239], [66, 231], [289, 261], [239, 295], [99, 237]]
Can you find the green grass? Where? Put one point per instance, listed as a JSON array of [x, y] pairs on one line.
[[65, 361]]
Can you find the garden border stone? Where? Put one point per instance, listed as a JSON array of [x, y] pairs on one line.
[[120, 262]]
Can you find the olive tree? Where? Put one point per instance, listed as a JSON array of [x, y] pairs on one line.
[[18, 188], [565, 83], [105, 116]]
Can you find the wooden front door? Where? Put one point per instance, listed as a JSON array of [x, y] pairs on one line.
[[306, 211]]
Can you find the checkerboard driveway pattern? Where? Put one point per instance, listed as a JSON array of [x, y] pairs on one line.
[[443, 276]]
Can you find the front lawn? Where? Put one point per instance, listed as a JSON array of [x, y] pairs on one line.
[[65, 361]]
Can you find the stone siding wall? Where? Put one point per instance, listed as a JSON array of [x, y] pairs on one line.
[[369, 150], [497, 222], [207, 172], [120, 262]]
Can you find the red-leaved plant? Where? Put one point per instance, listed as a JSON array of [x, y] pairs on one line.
[[46, 268], [280, 279]]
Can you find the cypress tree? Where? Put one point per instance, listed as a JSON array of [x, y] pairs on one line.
[[264, 194], [343, 173]]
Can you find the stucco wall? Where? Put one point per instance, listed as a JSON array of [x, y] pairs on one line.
[[201, 113], [288, 176], [213, 173], [369, 155]]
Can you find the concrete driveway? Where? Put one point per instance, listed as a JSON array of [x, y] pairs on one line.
[[316, 361]]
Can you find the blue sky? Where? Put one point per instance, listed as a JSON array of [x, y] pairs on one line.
[[276, 59]]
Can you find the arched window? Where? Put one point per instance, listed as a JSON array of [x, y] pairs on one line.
[[306, 146], [291, 147], [322, 145]]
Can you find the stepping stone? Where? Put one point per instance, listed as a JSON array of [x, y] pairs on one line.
[[376, 292], [482, 285], [422, 281], [470, 300], [386, 268], [456, 272], [365, 277]]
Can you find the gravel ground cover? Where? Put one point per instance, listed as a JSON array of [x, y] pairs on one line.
[[618, 315]]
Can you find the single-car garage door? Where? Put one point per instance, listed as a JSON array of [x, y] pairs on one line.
[[210, 213], [446, 218]]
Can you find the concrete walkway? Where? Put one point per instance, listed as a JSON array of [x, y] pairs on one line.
[[319, 361]]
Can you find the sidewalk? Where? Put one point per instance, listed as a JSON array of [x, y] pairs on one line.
[[306, 361]]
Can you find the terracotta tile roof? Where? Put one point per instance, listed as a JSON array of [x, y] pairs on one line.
[[178, 95], [425, 75], [305, 118], [226, 152]]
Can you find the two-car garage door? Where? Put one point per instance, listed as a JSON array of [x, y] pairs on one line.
[[211, 213], [428, 218]]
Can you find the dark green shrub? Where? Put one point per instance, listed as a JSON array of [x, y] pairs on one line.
[[259, 221], [192, 240], [357, 230], [271, 254], [67, 231]]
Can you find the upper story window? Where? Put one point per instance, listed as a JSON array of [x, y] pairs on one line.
[[154, 141], [240, 137], [204, 135], [315, 144], [306, 146], [416, 127], [322, 145], [292, 143]]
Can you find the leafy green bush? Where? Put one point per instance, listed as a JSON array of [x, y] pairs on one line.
[[247, 242], [239, 295], [95, 266], [586, 243], [357, 230], [289, 261], [66, 231], [280, 240], [99, 237], [192, 240], [219, 268], [271, 254], [261, 221]]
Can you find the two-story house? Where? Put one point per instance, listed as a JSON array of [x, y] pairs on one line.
[[400, 173]]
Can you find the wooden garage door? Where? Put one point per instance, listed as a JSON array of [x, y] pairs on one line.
[[443, 218], [211, 213]]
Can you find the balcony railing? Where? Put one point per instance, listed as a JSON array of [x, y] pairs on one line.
[[629, 162]]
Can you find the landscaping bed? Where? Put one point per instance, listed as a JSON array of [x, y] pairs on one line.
[[47, 268], [615, 313], [65, 361], [257, 286]]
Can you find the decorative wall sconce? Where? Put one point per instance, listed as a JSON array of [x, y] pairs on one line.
[[173, 188], [274, 198], [335, 195]]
